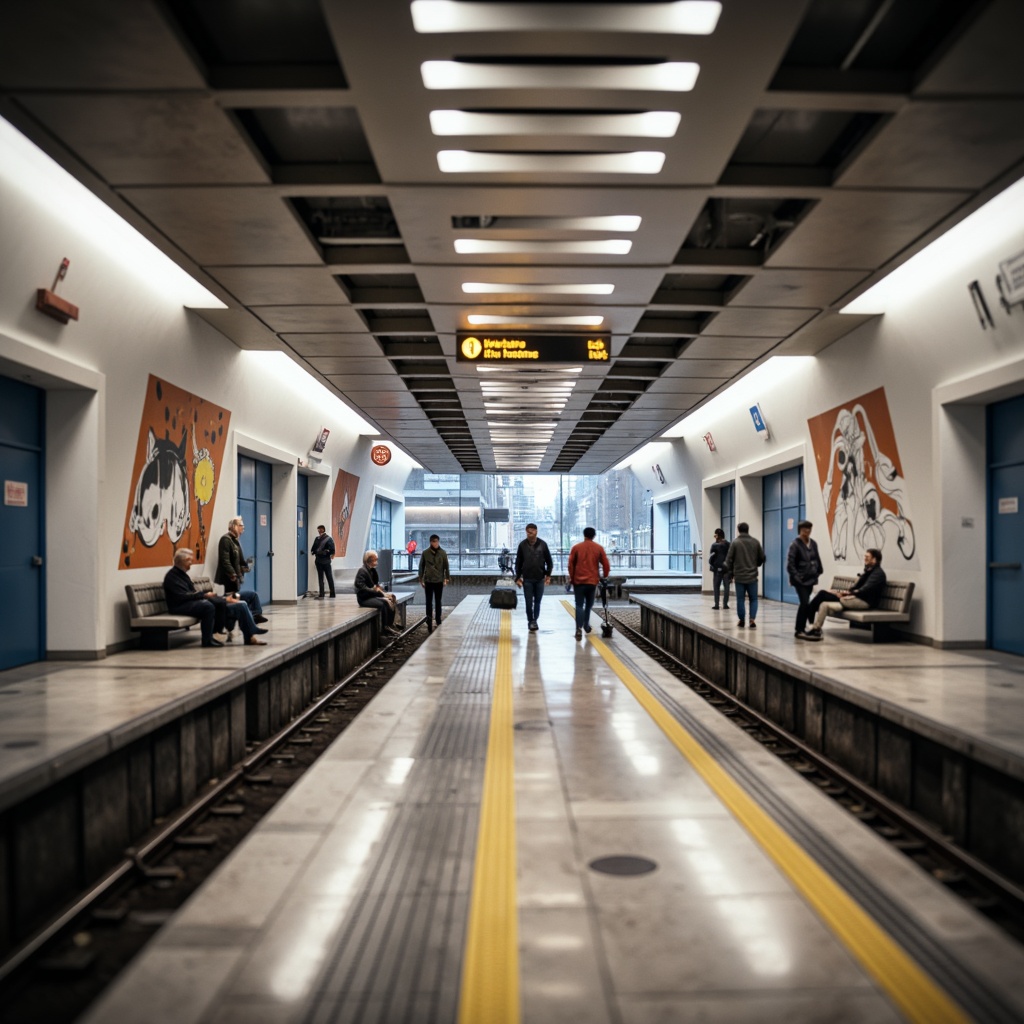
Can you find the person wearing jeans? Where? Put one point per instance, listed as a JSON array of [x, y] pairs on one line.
[[533, 569], [433, 575], [587, 563], [745, 557]]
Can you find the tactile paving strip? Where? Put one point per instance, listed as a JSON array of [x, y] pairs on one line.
[[399, 957]]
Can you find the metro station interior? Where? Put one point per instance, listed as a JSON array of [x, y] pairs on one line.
[[270, 259]]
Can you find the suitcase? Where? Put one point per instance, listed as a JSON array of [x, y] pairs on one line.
[[504, 597]]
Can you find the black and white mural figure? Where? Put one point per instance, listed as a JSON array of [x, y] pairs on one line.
[[162, 492], [862, 485]]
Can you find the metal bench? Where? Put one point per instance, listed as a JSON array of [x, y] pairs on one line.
[[148, 614], [894, 607]]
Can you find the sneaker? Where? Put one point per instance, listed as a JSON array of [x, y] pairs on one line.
[[222, 637], [800, 635], [212, 643], [812, 634], [579, 634], [741, 623], [753, 624]]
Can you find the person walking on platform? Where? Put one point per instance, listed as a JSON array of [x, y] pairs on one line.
[[370, 594], [587, 563], [866, 593], [533, 570], [804, 567], [434, 574], [745, 557], [232, 567], [323, 554], [716, 563]]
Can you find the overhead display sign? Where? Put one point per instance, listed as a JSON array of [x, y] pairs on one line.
[[528, 349]]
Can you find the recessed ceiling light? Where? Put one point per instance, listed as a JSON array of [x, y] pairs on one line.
[[652, 124], [595, 247], [684, 17], [513, 288], [485, 319], [465, 161], [502, 226], [666, 76]]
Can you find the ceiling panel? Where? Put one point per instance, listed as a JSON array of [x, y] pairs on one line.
[[288, 151]]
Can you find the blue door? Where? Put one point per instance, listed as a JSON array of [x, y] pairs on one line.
[[1006, 526], [782, 508], [302, 535], [255, 506], [22, 630]]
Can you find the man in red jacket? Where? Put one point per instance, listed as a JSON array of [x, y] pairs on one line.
[[585, 561]]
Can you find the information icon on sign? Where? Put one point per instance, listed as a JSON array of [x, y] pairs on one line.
[[759, 423]]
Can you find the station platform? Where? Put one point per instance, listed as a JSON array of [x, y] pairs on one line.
[[522, 827], [93, 752]]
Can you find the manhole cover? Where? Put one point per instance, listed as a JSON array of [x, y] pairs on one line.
[[623, 865]]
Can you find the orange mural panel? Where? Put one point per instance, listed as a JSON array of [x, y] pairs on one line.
[[343, 503], [861, 478], [179, 454]]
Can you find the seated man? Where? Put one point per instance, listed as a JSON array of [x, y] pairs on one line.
[[370, 594], [863, 595], [184, 599], [238, 611]]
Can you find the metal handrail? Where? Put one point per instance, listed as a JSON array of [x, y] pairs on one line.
[[486, 560]]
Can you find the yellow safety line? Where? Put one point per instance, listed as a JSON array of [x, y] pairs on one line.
[[909, 987], [490, 971]]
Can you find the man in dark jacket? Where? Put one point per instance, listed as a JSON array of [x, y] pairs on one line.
[[183, 599], [804, 566], [716, 563], [533, 570], [864, 594], [232, 567], [745, 557], [434, 574], [323, 554]]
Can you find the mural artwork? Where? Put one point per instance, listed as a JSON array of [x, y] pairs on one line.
[[861, 480], [343, 502], [174, 478]]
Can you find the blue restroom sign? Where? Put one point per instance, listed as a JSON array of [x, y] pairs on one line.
[[759, 424]]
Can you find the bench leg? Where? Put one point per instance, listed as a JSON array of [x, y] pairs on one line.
[[156, 639], [883, 633]]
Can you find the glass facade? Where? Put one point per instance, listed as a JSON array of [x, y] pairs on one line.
[[380, 525], [680, 556]]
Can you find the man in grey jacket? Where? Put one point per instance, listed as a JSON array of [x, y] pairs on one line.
[[745, 557]]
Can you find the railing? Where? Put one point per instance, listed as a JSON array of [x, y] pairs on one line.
[[486, 560]]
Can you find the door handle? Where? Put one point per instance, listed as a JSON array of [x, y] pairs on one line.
[[37, 561], [1004, 565], [270, 554]]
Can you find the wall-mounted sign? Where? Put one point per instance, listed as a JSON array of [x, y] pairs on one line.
[[381, 454], [321, 442], [759, 422], [529, 349], [710, 442], [1008, 506], [16, 493], [1010, 281]]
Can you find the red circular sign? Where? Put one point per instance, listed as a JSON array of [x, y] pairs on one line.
[[381, 454]]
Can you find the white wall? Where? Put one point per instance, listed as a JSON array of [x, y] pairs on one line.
[[133, 324], [939, 368]]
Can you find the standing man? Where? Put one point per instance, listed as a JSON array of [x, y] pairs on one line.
[[745, 557], [323, 554], [533, 570], [585, 561], [433, 576], [804, 567], [864, 594], [232, 566], [716, 563]]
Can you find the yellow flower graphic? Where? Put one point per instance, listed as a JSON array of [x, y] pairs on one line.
[[204, 480]]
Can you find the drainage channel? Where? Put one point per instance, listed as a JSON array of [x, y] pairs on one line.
[[56, 974], [998, 898]]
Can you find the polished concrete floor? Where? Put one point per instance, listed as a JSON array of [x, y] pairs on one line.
[[350, 901]]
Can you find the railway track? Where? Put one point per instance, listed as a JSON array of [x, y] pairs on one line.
[[63, 967]]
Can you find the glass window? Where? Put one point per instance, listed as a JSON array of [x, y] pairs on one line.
[[680, 556], [380, 525]]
